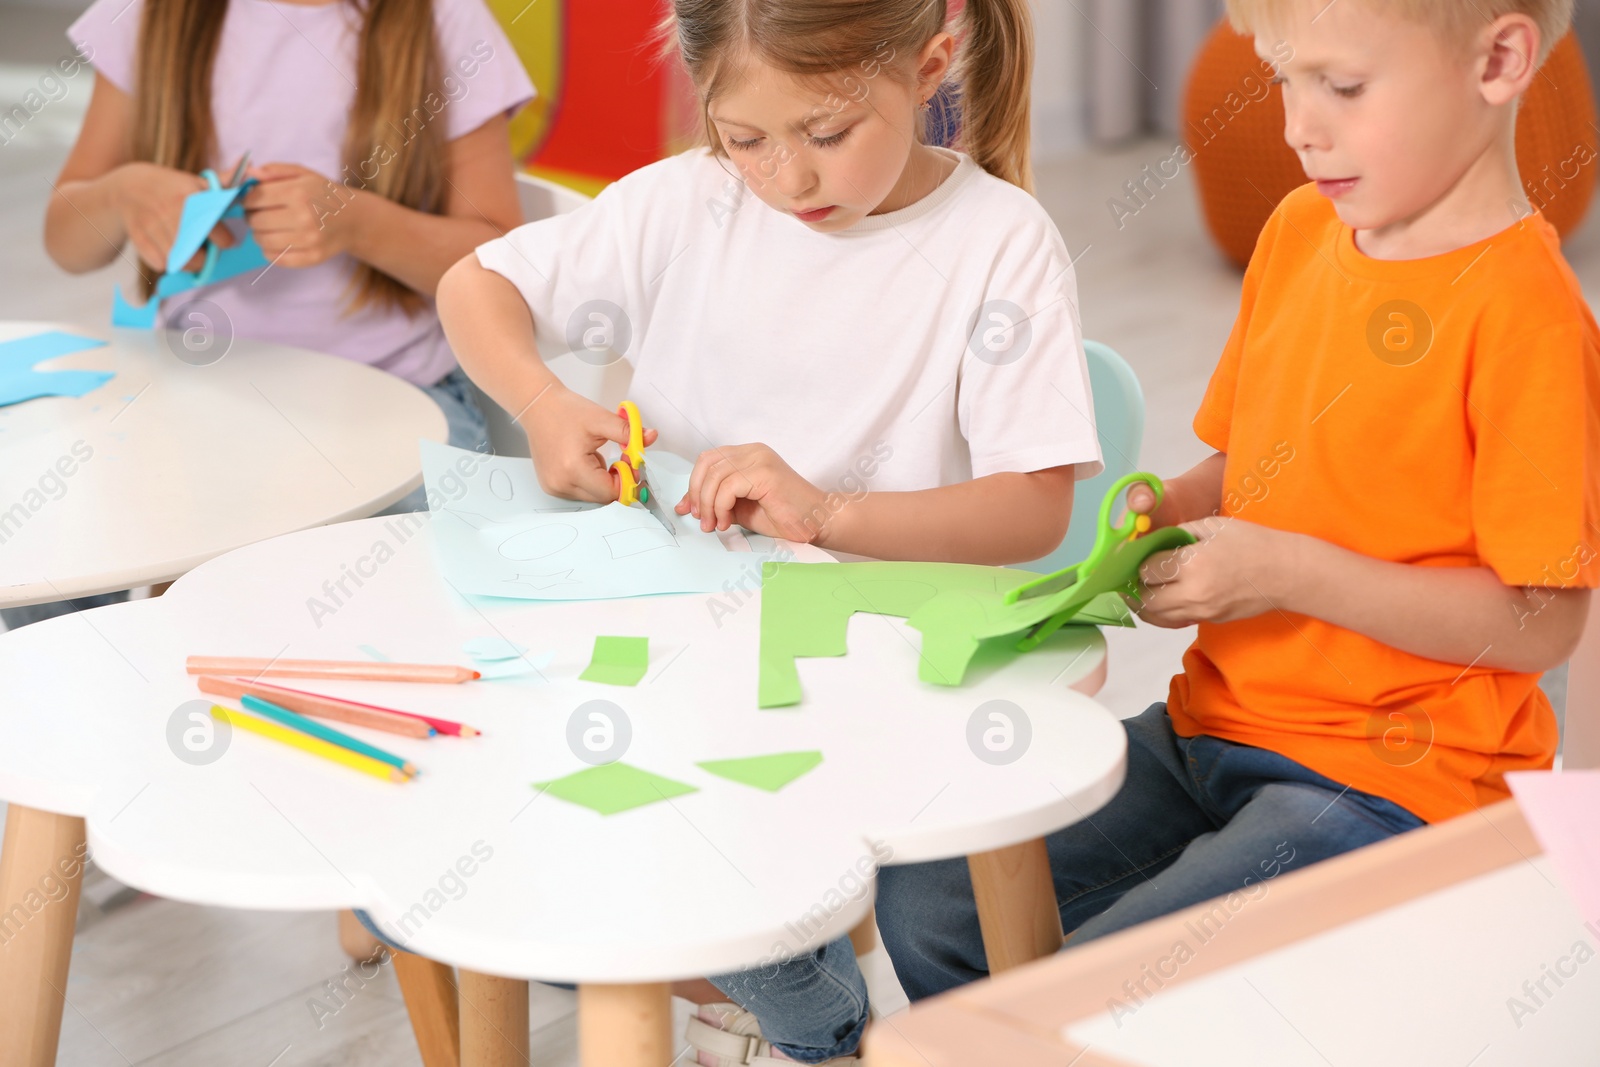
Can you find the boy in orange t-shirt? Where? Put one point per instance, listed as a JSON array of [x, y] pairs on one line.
[[1401, 524]]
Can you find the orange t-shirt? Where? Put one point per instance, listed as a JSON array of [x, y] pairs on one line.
[[1441, 412]]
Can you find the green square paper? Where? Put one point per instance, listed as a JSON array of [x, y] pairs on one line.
[[618, 660], [613, 787]]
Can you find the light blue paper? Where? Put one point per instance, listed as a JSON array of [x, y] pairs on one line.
[[492, 649], [496, 533], [19, 380], [201, 213]]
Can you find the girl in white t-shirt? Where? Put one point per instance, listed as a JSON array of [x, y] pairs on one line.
[[868, 343]]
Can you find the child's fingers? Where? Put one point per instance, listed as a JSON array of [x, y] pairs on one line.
[[706, 501], [728, 496], [1141, 499], [650, 437], [1160, 569], [591, 481], [223, 236]]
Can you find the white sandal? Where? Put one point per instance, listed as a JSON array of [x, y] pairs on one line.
[[739, 1042]]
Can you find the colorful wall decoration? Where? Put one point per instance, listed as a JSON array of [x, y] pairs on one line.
[[607, 105]]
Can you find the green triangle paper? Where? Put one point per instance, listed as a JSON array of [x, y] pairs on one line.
[[771, 773]]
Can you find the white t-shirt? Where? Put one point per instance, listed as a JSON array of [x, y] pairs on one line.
[[858, 356]]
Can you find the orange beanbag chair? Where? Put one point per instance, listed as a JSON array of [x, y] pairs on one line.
[[1233, 123]]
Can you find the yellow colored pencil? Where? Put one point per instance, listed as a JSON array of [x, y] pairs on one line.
[[316, 746]]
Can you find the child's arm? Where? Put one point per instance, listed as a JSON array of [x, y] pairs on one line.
[[488, 325], [998, 519], [1240, 569], [301, 219], [103, 199]]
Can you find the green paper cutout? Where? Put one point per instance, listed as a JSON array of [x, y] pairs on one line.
[[613, 787], [957, 621], [618, 660], [771, 773], [806, 608]]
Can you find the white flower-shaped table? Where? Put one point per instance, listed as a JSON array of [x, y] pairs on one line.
[[474, 866]]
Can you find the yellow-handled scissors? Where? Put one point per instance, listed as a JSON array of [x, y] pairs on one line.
[[629, 468], [633, 483]]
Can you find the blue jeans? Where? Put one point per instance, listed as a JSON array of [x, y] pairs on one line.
[[17, 618], [1197, 818], [465, 428]]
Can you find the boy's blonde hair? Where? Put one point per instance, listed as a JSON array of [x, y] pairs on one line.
[[1457, 18]]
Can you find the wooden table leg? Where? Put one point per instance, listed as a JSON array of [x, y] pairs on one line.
[[625, 1025], [864, 934], [1017, 908], [434, 1006], [494, 1020], [41, 872], [356, 940]]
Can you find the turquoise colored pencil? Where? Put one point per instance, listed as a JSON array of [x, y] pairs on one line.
[[325, 733]]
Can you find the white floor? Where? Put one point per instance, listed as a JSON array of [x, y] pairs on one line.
[[157, 982]]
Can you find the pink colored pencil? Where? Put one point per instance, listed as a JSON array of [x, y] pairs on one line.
[[444, 726]]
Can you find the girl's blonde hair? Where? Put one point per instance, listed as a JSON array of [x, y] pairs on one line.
[[831, 40], [398, 66], [1457, 18]]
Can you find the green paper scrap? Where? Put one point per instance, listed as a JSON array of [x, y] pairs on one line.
[[618, 660], [806, 608], [613, 787], [771, 773]]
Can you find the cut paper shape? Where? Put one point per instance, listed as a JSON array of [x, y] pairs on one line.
[[771, 773], [618, 661], [520, 667], [202, 211], [20, 379], [1560, 807], [492, 649], [806, 609], [498, 534], [613, 787], [955, 622]]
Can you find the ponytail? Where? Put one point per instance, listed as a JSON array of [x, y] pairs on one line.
[[995, 71]]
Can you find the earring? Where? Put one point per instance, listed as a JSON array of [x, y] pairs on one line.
[[927, 105]]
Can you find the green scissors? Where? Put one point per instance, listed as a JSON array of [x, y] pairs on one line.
[[1113, 564]]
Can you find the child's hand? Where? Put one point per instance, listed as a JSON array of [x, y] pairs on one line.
[[300, 218], [564, 437], [751, 486], [1234, 571], [150, 199]]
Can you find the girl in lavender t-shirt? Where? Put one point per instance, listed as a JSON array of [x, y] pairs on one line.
[[378, 130]]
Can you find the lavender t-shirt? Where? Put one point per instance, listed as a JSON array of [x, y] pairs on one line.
[[282, 88]]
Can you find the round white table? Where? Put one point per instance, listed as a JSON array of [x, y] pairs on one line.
[[476, 867], [176, 460]]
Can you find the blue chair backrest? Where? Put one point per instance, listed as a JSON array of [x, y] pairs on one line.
[[1119, 420]]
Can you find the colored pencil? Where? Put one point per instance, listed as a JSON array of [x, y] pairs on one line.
[[306, 743], [361, 670], [321, 707], [444, 726], [326, 733]]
